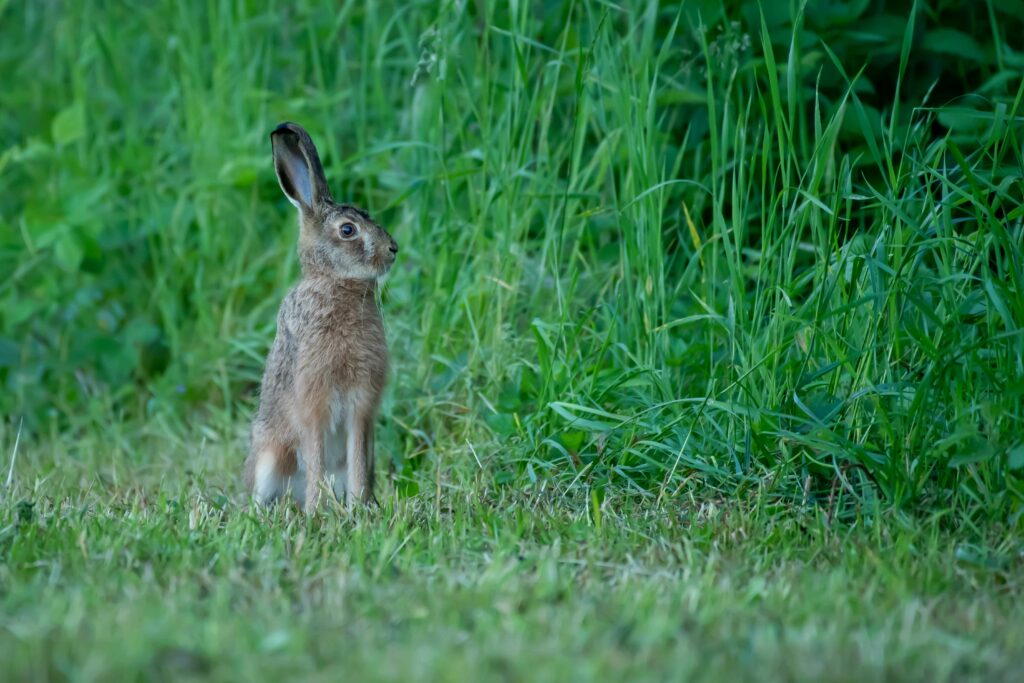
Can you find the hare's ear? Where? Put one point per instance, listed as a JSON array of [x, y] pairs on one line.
[[298, 166]]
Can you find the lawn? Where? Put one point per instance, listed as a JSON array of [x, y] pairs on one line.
[[706, 336], [485, 584]]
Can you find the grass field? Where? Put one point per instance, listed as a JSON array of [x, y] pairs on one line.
[[706, 335], [115, 585]]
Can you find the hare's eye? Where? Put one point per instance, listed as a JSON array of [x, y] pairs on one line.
[[347, 230]]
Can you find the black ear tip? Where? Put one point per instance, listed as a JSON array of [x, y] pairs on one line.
[[287, 127]]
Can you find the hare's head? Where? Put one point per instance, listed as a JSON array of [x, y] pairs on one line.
[[335, 239]]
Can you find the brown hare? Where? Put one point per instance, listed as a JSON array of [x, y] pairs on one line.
[[329, 362]]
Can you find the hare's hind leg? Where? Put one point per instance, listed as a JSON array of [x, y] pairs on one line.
[[267, 470], [295, 481]]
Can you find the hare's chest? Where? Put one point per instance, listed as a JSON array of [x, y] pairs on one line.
[[360, 357]]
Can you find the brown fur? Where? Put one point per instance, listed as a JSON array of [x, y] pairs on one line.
[[329, 362]]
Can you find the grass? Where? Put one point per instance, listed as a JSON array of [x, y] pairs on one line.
[[707, 356], [484, 584]]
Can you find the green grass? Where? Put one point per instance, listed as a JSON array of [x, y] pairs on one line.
[[706, 335], [494, 585]]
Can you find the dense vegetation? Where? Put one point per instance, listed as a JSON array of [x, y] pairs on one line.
[[736, 279]]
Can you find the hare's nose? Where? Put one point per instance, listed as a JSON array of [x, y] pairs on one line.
[[393, 248]]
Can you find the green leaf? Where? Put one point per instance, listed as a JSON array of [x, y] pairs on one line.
[[973, 450], [69, 253], [503, 424], [964, 119], [504, 477], [19, 309], [569, 411], [1015, 459], [952, 42], [573, 440], [10, 353], [69, 124], [406, 488]]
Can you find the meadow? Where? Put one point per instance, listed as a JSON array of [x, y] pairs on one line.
[[705, 328]]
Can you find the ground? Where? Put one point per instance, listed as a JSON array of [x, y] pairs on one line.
[[477, 582]]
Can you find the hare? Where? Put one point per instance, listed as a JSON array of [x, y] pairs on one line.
[[329, 361]]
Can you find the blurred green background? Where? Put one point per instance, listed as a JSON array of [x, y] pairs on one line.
[[706, 334], [679, 248]]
